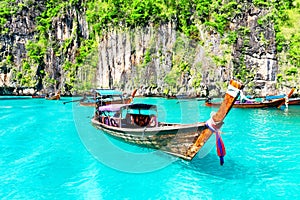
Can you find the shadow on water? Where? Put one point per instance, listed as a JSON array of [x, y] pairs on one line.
[[244, 167], [210, 166], [231, 170]]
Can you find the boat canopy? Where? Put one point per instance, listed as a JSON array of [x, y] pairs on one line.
[[117, 107], [111, 107], [275, 97], [108, 92]]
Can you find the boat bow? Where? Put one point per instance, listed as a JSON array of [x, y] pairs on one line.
[[216, 119]]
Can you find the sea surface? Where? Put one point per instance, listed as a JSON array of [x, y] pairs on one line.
[[50, 150]]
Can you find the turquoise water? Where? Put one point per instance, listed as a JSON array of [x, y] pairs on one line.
[[49, 150]]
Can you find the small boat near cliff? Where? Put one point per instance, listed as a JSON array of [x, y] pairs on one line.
[[54, 97], [88, 102], [249, 103], [138, 124]]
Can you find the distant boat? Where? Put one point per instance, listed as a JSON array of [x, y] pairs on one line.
[[88, 102], [138, 124], [54, 97], [250, 103], [294, 101], [106, 97]]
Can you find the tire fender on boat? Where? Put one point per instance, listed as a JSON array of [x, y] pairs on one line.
[[113, 122], [106, 121], [102, 119]]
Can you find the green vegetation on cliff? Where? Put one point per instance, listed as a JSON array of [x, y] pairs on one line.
[[7, 9], [188, 15], [288, 42]]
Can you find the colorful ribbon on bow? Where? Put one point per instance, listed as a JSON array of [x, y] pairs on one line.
[[220, 148], [211, 124]]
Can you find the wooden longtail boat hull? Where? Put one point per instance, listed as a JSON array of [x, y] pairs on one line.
[[172, 138], [273, 103], [181, 140], [86, 103], [294, 101]]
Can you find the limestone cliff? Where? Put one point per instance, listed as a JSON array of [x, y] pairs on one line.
[[154, 58], [256, 50], [16, 32]]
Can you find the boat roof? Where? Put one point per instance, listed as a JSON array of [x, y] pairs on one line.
[[117, 107], [106, 92], [275, 97], [142, 106]]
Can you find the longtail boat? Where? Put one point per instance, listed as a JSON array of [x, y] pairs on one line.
[[88, 102], [107, 96], [247, 104], [137, 124], [54, 97], [267, 103]]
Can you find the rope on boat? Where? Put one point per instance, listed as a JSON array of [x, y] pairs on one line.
[[233, 91], [215, 128], [286, 102]]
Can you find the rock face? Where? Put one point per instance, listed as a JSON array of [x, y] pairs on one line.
[[258, 50], [21, 28], [122, 54], [67, 32], [144, 58]]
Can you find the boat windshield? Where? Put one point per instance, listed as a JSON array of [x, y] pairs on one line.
[[141, 109]]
